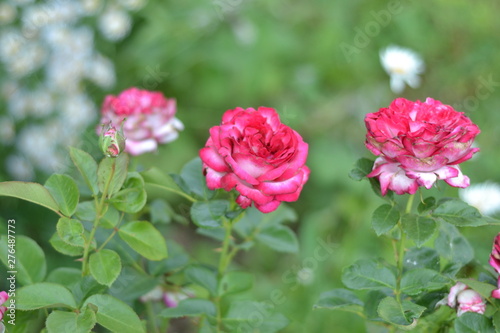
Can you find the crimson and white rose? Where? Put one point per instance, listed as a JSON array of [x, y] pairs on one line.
[[148, 119], [253, 152], [419, 143]]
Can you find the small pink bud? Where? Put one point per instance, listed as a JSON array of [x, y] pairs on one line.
[[111, 141]]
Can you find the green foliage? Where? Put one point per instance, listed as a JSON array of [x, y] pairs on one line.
[[44, 295], [26, 258], [402, 315], [280, 238], [420, 280], [105, 266], [458, 213], [60, 321], [418, 228], [190, 308], [112, 173], [471, 322], [115, 315], [202, 276], [132, 197], [145, 239], [32, 192], [87, 167], [384, 218], [64, 191], [209, 214], [235, 282], [71, 231], [192, 180], [368, 274], [340, 299]]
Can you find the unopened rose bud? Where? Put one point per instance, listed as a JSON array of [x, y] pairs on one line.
[[465, 299], [111, 141], [172, 298]]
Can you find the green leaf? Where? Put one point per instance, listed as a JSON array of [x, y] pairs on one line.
[[428, 204], [27, 258], [418, 228], [362, 167], [105, 266], [471, 322], [458, 213], [202, 276], [423, 257], [452, 245], [85, 211], [190, 307], [248, 317], [384, 218], [44, 295], [484, 289], [132, 284], [209, 214], [132, 198], [61, 321], [372, 301], [115, 315], [31, 192], [112, 173], [368, 274], [403, 316], [194, 180], [71, 231], [60, 246], [87, 167], [161, 212], [418, 280], [340, 299], [235, 282], [279, 238], [64, 191], [253, 220], [145, 239], [110, 218]]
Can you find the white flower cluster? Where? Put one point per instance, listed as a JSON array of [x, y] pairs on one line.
[[47, 50]]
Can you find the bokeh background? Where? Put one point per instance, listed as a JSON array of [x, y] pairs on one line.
[[214, 55]]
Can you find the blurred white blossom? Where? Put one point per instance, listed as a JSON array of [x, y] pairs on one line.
[[48, 53], [8, 13], [485, 197], [403, 66], [115, 24]]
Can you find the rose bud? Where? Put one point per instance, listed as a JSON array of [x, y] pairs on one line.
[[147, 117], [172, 298], [419, 143], [467, 299], [495, 254], [111, 141], [253, 152]]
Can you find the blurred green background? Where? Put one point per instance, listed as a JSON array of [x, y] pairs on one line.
[[215, 55]]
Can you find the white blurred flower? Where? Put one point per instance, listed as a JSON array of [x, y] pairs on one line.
[[7, 130], [101, 71], [91, 7], [132, 4], [115, 24], [245, 31], [19, 168], [485, 197], [12, 42], [41, 103], [403, 66], [7, 13], [22, 2]]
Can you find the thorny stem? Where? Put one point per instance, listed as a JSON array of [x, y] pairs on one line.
[[225, 259]]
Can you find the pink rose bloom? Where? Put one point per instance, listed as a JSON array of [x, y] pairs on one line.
[[255, 153], [3, 298], [467, 299], [419, 143], [149, 119]]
